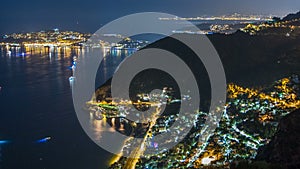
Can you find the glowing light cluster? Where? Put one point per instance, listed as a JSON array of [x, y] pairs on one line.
[[289, 101]]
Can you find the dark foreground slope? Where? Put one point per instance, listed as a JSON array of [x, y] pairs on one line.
[[284, 149]]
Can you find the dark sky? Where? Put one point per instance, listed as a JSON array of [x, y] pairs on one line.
[[89, 15]]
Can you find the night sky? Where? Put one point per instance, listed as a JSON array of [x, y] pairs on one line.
[[90, 15]]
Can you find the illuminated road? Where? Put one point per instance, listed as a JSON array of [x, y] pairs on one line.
[[138, 152], [141, 146]]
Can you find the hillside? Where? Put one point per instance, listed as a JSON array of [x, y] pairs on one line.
[[292, 16], [248, 60], [284, 149]]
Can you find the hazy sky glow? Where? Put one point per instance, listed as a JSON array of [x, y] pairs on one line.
[[89, 15]]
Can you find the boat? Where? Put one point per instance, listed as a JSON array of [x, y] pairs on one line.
[[71, 79]]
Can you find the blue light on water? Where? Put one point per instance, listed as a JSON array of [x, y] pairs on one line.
[[4, 142], [44, 140], [73, 66], [22, 54]]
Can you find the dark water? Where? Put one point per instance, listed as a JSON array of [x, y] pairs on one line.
[[36, 102]]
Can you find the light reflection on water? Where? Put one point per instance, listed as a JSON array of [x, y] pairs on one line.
[[35, 101]]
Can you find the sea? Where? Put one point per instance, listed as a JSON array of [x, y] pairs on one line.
[[39, 128]]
